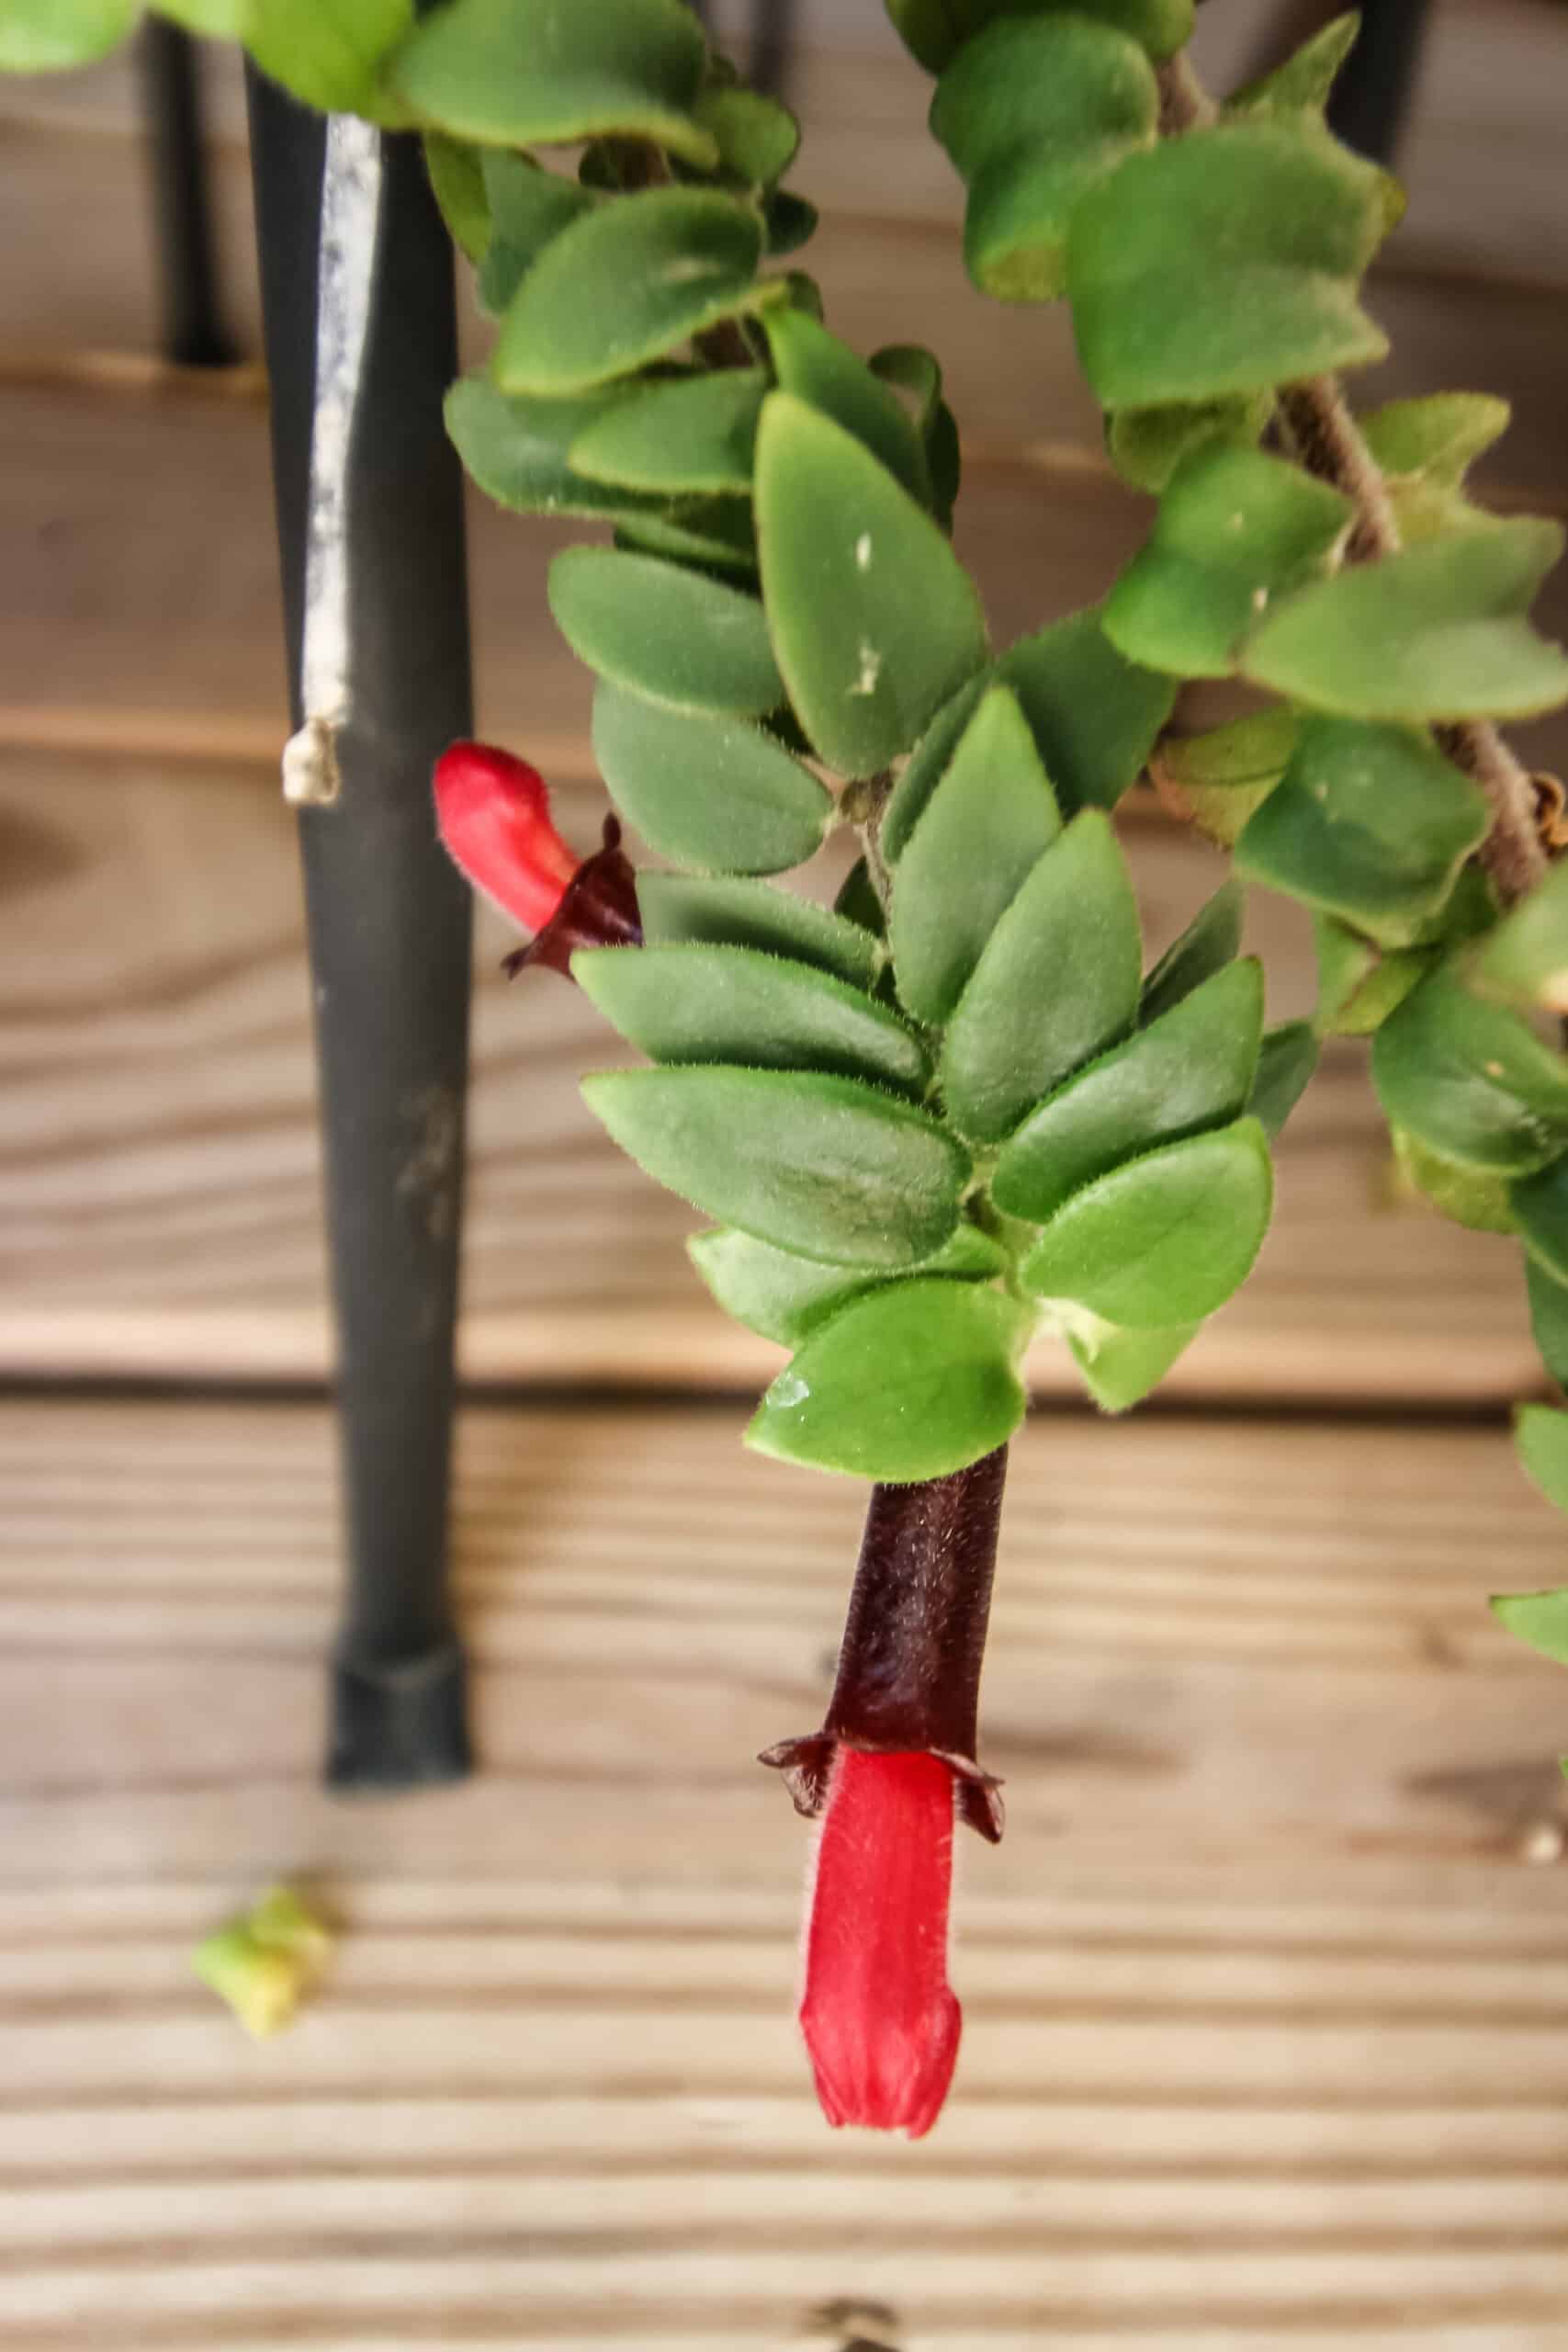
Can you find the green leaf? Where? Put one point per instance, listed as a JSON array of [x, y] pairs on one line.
[[1433, 632], [1164, 1239], [756, 137], [1094, 715], [1146, 444], [1469, 1196], [1539, 1206], [1525, 957], [50, 36], [1119, 1367], [1357, 985], [1285, 1064], [457, 182], [1214, 781], [1236, 530], [1548, 1318], [680, 910], [714, 531], [1034, 112], [331, 53], [213, 19], [826, 374], [933, 30], [625, 283], [738, 1004], [516, 450], [789, 221], [823, 1166], [1303, 84], [913, 371], [1469, 1080], [875, 621], [528, 208], [1539, 1618], [927, 765], [1369, 822], [1223, 262], [673, 635], [530, 72], [916, 1381], [714, 794], [1207, 945], [1057, 983], [784, 1297], [697, 434], [1434, 440], [989, 820], [1192, 1069]]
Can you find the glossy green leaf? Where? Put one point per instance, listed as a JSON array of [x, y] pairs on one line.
[[1146, 444], [1034, 111], [1369, 822], [51, 36], [715, 795], [530, 72], [784, 1297], [933, 30], [1223, 262], [875, 621], [1525, 957], [1539, 1206], [1235, 531], [1057, 983], [528, 208], [1471, 1080], [1119, 1367], [457, 182], [715, 532], [697, 434], [1164, 1239], [673, 635], [989, 820], [825, 1166], [756, 136], [824, 373], [738, 1004], [1192, 1069], [1214, 781], [1539, 1618], [1548, 1318], [331, 53], [1208, 943], [1468, 1197], [1434, 632], [625, 283], [1303, 84], [516, 450], [1285, 1064], [917, 1380], [1094, 715], [680, 910]]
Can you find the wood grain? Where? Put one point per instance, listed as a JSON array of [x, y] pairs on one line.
[[1264, 2040]]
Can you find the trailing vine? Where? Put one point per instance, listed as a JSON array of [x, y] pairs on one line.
[[954, 1110]]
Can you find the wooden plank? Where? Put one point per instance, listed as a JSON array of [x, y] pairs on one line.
[[1264, 2040], [159, 1193]]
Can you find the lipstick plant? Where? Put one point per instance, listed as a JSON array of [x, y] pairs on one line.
[[953, 1111]]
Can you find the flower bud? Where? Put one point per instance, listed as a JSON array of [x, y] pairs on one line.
[[494, 816]]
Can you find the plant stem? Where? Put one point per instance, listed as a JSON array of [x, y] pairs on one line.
[[1325, 437]]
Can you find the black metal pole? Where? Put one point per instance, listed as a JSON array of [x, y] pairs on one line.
[[388, 916], [1368, 103], [194, 336]]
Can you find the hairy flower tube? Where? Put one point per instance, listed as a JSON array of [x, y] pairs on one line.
[[894, 1759], [494, 812]]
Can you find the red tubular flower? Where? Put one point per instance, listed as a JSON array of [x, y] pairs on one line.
[[879, 2017], [494, 812]]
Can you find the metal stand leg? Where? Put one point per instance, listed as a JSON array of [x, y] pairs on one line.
[[388, 918], [193, 329], [1369, 100]]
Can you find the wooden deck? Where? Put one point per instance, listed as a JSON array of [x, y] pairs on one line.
[[1267, 2033]]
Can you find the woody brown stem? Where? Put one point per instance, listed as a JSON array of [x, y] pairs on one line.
[[1329, 443]]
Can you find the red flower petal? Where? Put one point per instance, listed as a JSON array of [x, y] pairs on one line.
[[880, 2020], [494, 816]]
